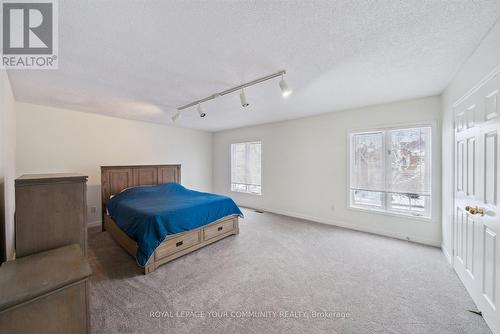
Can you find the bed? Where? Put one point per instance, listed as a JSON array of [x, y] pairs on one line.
[[155, 219]]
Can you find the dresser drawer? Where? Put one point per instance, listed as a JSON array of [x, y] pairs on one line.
[[212, 231], [177, 244]]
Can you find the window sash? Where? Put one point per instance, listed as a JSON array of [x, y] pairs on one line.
[[368, 161], [246, 167], [412, 195], [414, 169]]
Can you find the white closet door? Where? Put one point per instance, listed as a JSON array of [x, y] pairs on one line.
[[476, 246]]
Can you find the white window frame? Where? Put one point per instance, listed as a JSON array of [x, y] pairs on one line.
[[385, 209], [261, 167]]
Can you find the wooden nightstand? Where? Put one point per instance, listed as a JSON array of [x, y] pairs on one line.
[[46, 293]]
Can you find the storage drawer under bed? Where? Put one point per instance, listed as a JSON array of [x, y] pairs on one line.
[[193, 238], [214, 230], [176, 244]]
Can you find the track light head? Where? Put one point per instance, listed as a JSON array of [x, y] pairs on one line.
[[200, 111], [176, 116], [243, 99], [285, 90]]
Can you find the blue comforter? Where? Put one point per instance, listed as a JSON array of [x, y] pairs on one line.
[[148, 214]]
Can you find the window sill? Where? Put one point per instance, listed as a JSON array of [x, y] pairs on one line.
[[246, 193], [390, 213]]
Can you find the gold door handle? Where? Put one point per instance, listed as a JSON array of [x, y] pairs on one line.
[[475, 211]]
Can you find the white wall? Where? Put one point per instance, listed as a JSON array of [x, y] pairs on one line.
[[483, 61], [7, 168], [305, 167], [58, 140]]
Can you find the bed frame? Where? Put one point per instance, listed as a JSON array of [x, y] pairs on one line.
[[116, 178]]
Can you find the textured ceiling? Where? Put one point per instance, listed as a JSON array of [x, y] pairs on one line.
[[141, 59]]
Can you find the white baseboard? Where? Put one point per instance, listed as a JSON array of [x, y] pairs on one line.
[[435, 243], [351, 226], [97, 223], [446, 254]]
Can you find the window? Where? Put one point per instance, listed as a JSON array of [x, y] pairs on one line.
[[390, 170], [246, 175]]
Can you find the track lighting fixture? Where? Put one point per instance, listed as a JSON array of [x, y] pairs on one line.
[[285, 90], [200, 111], [243, 99], [176, 116]]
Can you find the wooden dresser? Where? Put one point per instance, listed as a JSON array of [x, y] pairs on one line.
[[50, 212]]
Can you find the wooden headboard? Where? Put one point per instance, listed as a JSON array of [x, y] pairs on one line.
[[116, 178]]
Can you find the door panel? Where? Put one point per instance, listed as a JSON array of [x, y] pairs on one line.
[[458, 233], [460, 165], [489, 255], [470, 116], [490, 168], [476, 245], [469, 248], [471, 166]]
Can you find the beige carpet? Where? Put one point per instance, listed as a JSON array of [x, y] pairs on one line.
[[277, 276]]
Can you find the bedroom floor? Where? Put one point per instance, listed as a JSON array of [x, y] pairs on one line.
[[286, 269]]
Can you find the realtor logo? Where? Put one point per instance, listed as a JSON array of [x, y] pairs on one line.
[[29, 34]]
